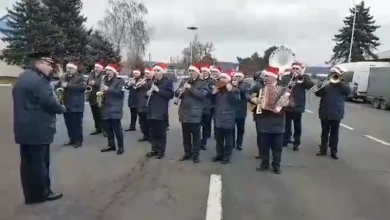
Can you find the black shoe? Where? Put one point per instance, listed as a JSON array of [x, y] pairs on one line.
[[160, 156], [321, 153], [195, 160], [120, 151], [185, 157], [262, 168], [296, 147], [130, 129], [77, 145], [151, 154], [216, 159], [276, 170], [96, 132], [54, 196], [239, 148], [143, 139], [334, 156], [225, 160], [104, 134], [258, 156], [203, 147], [108, 149], [68, 143], [168, 128]]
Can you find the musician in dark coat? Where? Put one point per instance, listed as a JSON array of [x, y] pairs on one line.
[[299, 84], [112, 108], [225, 99], [94, 81], [171, 76], [192, 93], [141, 106], [159, 94], [73, 85], [244, 89], [270, 125], [132, 98], [208, 109], [331, 111], [35, 108]]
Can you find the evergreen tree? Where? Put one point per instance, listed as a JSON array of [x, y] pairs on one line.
[[29, 30], [364, 40], [66, 16], [100, 49]]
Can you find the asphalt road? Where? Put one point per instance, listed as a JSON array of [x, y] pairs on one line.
[[130, 187]]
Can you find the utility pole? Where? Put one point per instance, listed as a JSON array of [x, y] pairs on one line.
[[353, 32], [192, 28]]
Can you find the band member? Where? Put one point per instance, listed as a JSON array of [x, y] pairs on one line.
[[192, 93], [112, 108], [94, 81], [225, 97], [270, 124], [73, 85], [208, 110], [132, 98], [35, 109], [159, 94], [302, 82], [244, 89], [331, 110], [215, 73], [142, 108]]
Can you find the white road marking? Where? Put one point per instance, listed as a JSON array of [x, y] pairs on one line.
[[214, 200], [308, 111], [377, 140], [5, 85], [347, 127]]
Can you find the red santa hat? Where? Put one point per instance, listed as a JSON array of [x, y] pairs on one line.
[[205, 67], [137, 71], [148, 70], [216, 69], [71, 65], [160, 67], [195, 67], [297, 65], [228, 74], [239, 74], [113, 67], [272, 72], [99, 65], [338, 69]]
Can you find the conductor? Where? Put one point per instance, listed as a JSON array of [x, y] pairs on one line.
[[35, 108]]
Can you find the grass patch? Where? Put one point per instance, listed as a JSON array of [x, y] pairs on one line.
[[8, 79]]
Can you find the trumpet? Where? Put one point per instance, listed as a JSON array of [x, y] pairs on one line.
[[88, 89], [300, 79], [139, 83], [335, 78], [130, 83], [177, 100], [60, 95]]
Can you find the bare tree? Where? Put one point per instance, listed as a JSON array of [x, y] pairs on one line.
[[125, 26], [197, 51]]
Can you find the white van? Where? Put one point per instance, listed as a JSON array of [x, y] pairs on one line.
[[357, 76]]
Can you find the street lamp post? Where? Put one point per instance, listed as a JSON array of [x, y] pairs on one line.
[[353, 33], [192, 28]]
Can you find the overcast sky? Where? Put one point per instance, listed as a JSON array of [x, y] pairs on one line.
[[241, 27]]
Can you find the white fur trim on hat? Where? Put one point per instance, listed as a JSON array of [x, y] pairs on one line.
[[215, 69], [99, 66], [147, 70], [271, 74], [137, 71], [194, 68], [239, 74], [71, 65], [205, 69], [297, 67], [112, 69], [157, 67], [338, 69], [226, 76]]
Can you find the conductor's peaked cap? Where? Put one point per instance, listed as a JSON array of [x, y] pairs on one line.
[[41, 55]]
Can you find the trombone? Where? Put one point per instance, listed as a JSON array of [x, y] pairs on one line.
[[333, 78]]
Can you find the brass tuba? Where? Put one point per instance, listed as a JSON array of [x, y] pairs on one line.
[[282, 58]]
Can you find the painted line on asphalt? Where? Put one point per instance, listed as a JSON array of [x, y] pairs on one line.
[[5, 85], [214, 200], [376, 139], [347, 127], [308, 111]]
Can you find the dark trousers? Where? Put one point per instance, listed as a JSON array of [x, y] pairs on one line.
[[113, 128], [97, 117], [258, 138], [271, 142], [34, 172], [206, 128], [158, 134], [225, 141], [133, 117], [144, 124], [191, 138], [330, 135], [238, 132], [296, 119], [74, 126], [166, 120]]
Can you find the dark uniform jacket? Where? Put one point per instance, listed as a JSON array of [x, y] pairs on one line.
[[332, 101], [268, 121], [132, 98], [159, 101], [112, 106], [225, 108], [208, 103], [35, 108], [141, 96], [192, 101], [74, 93], [95, 87], [298, 92], [244, 89]]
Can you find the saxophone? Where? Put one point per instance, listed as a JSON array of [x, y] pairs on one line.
[[60, 92], [100, 94]]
